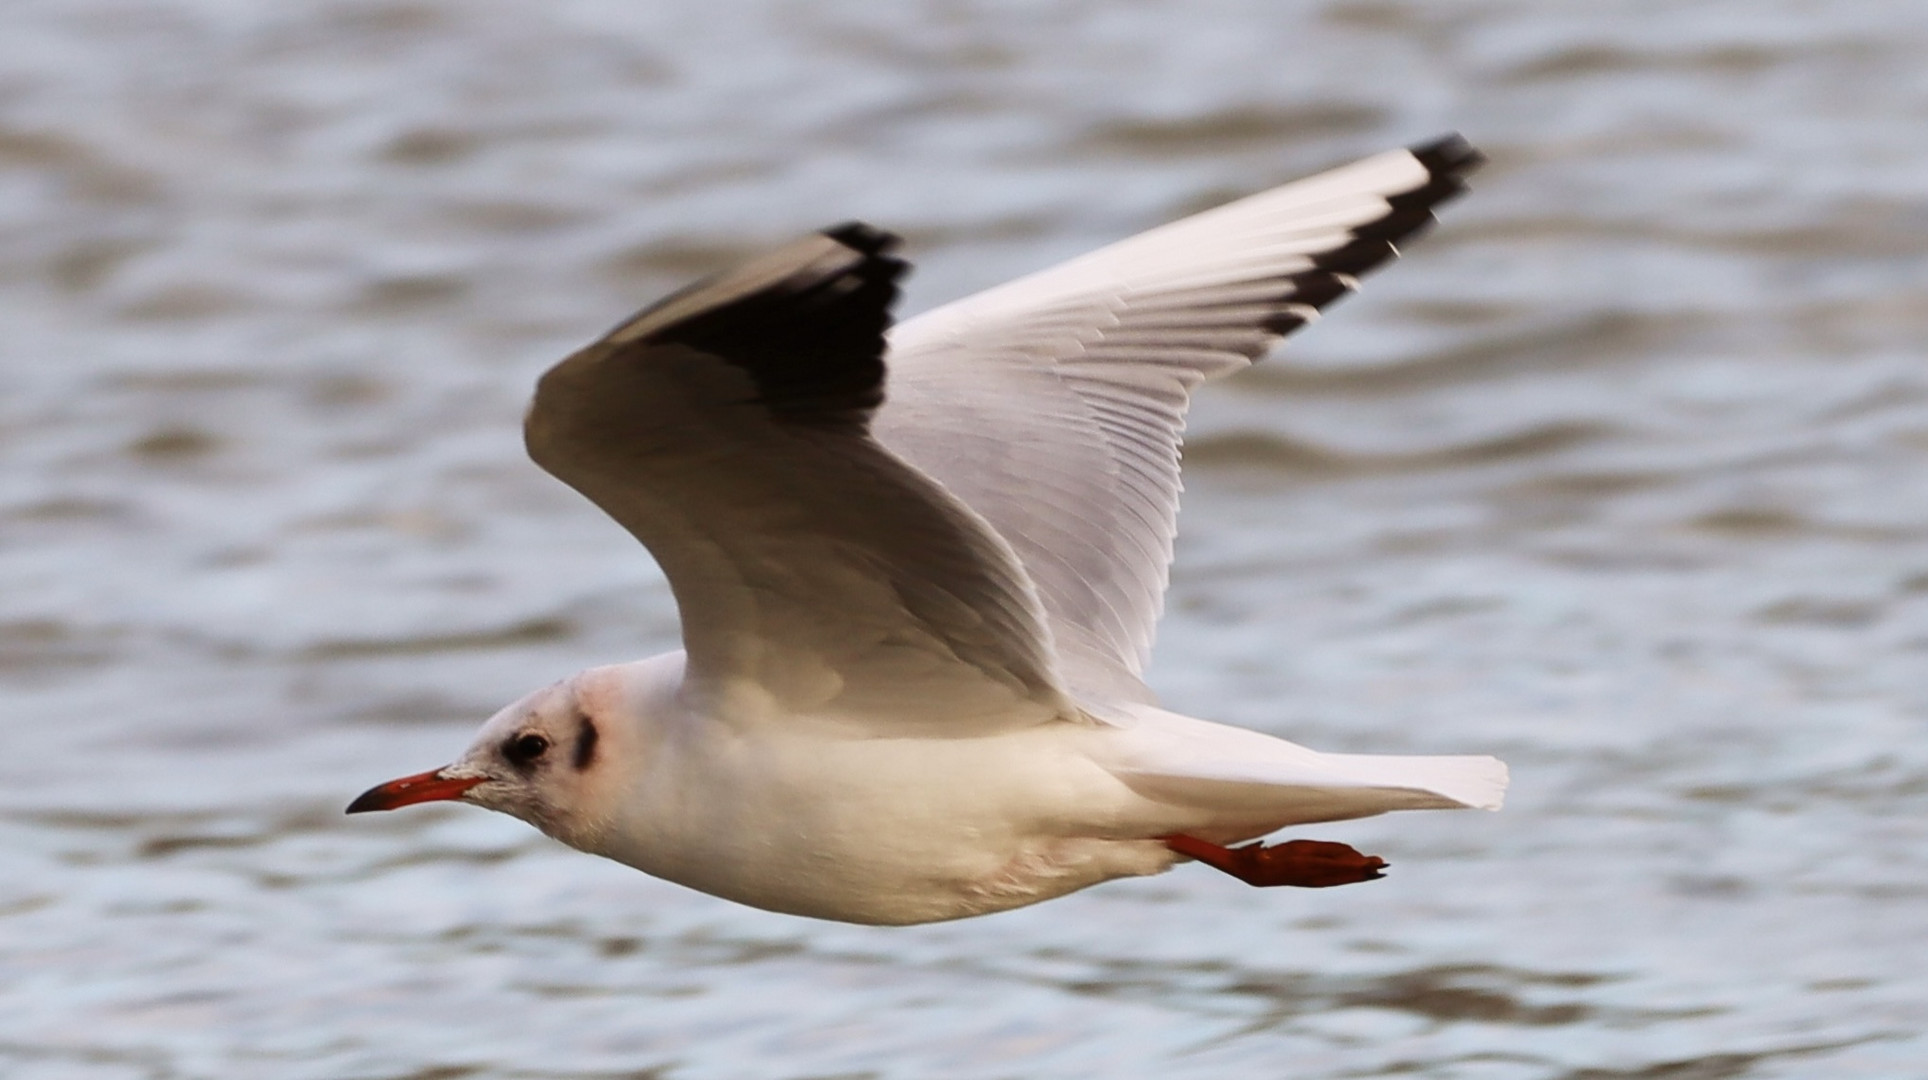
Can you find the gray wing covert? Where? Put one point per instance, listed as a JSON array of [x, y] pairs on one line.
[[727, 428]]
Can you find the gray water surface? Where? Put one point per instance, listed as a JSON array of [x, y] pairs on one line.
[[1622, 475]]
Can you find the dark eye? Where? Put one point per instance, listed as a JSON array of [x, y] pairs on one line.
[[525, 748]]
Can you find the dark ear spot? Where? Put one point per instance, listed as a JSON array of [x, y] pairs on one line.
[[585, 743]]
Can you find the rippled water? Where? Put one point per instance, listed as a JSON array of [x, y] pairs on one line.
[[1623, 476]]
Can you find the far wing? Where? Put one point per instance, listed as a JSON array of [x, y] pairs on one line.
[[1054, 405], [815, 572]]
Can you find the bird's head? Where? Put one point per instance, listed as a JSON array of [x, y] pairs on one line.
[[553, 759]]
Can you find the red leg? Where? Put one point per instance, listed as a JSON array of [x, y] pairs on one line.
[[1310, 864]]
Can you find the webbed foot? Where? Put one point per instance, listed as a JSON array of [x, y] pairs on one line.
[[1308, 864]]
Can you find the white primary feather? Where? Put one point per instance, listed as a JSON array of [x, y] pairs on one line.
[[1054, 405]]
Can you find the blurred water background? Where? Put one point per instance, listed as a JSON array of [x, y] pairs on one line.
[[1622, 475]]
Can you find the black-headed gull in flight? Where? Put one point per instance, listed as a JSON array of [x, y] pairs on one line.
[[915, 611]]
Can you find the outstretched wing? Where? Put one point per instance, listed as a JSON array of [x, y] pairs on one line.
[[727, 428], [1054, 405]]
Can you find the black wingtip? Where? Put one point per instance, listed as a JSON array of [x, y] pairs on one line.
[[866, 239], [1363, 254], [1448, 155]]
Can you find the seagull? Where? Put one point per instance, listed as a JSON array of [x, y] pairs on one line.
[[918, 568]]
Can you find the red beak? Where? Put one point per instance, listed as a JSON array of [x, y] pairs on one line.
[[430, 786]]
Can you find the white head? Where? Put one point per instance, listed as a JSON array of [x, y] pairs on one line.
[[560, 759]]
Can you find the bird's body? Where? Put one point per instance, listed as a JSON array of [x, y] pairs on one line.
[[822, 816], [915, 617]]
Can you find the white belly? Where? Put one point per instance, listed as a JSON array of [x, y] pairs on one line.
[[894, 831]]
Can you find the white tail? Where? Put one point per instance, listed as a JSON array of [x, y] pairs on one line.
[[1473, 781], [1186, 761]]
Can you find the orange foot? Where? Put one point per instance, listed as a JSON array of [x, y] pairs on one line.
[[1309, 864]]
